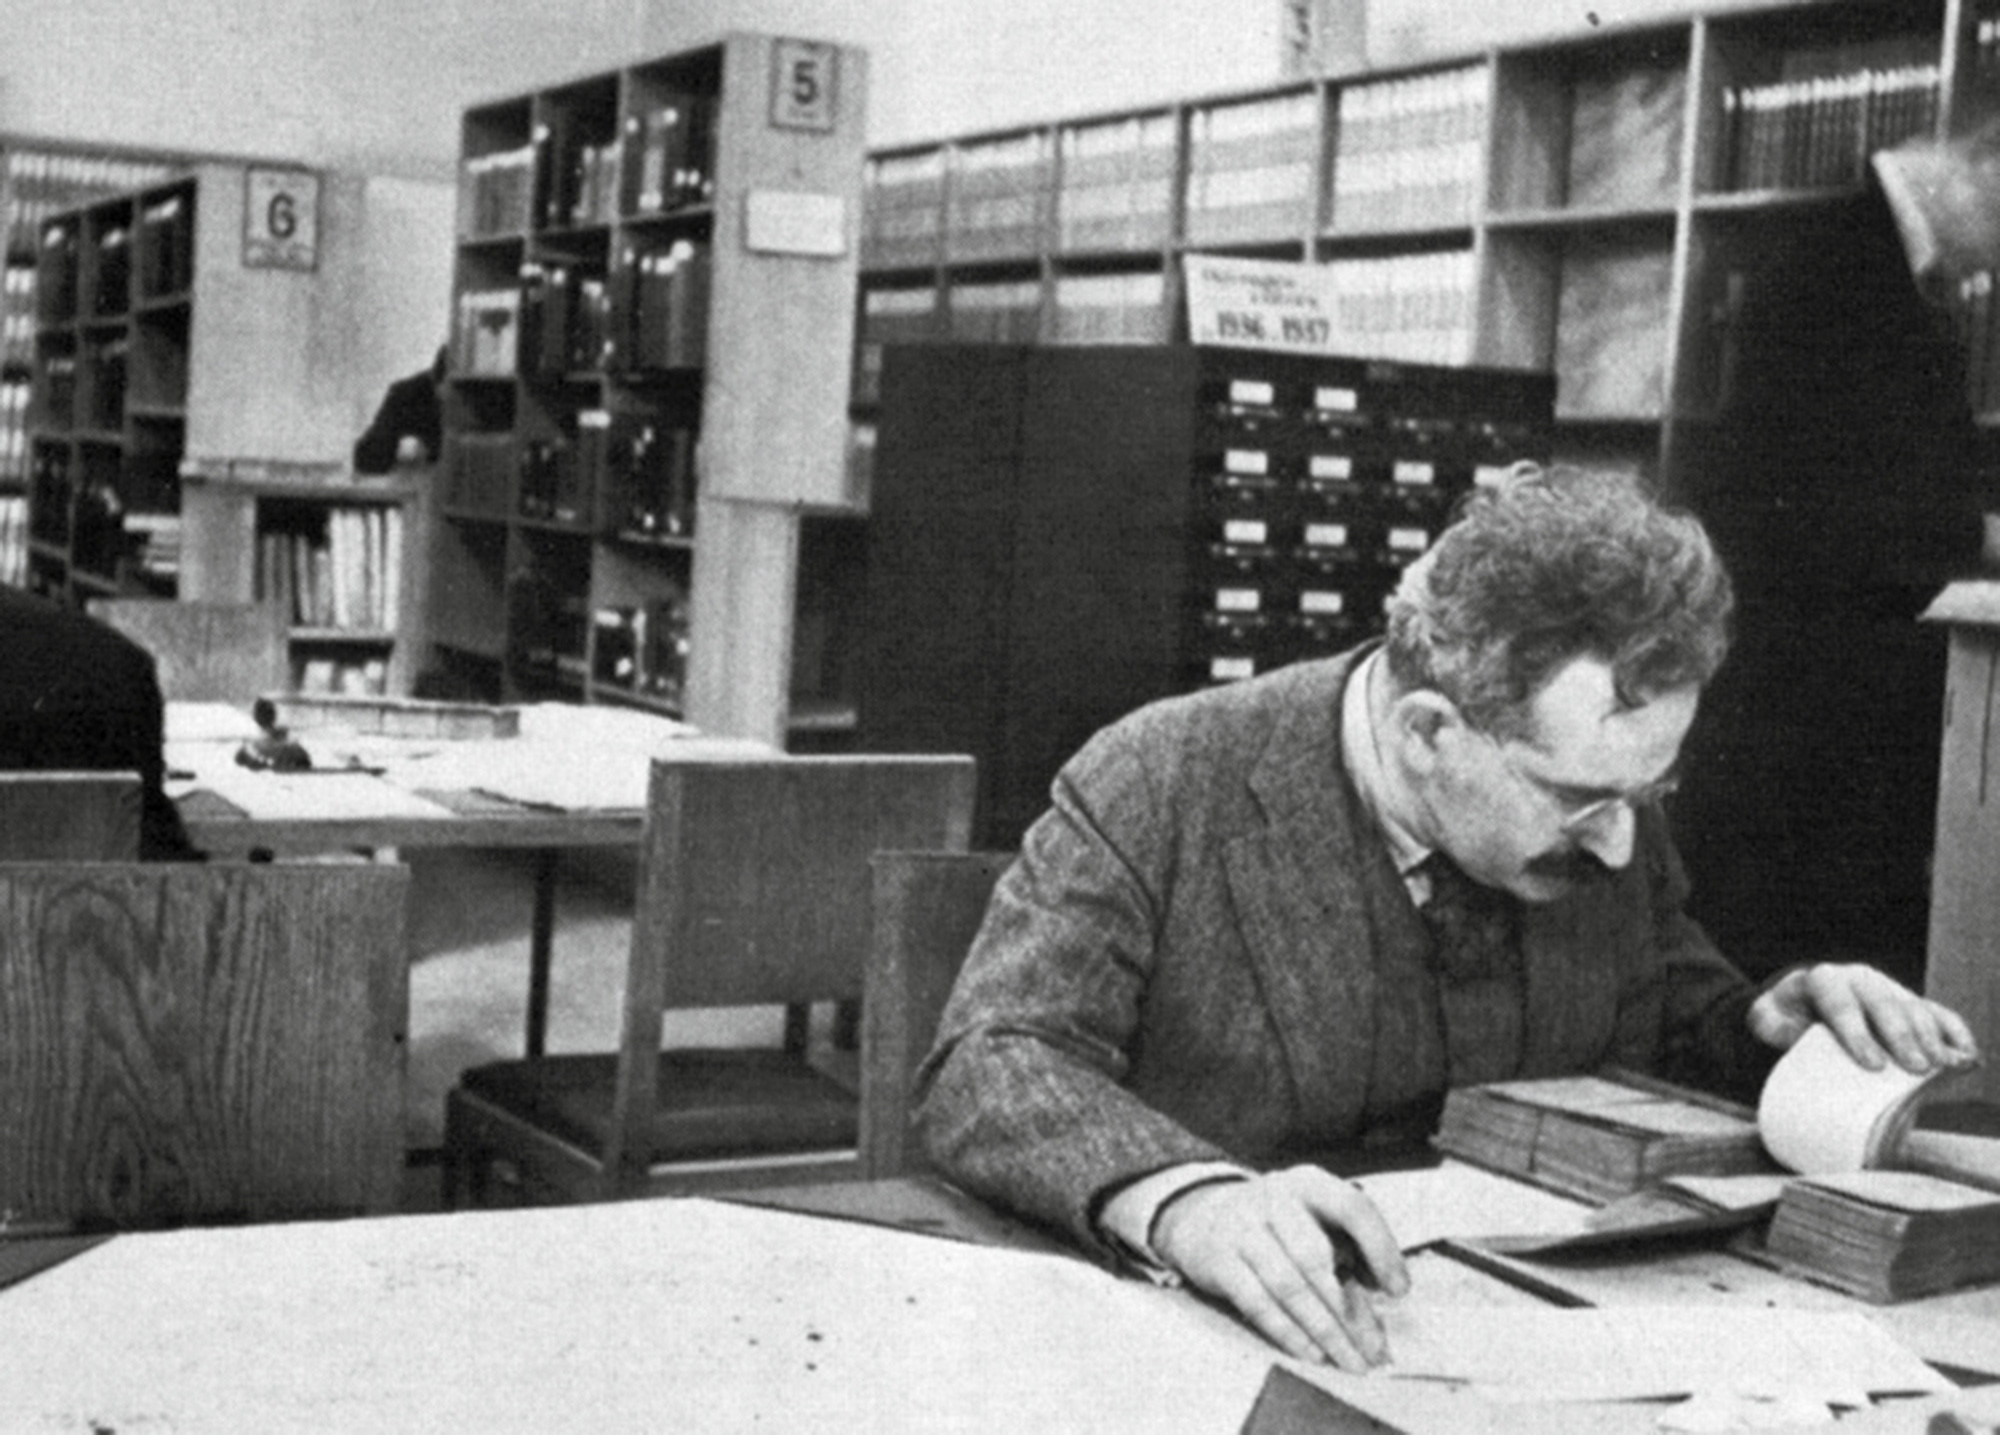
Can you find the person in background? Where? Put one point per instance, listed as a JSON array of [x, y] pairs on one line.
[[81, 697], [1264, 928], [412, 413]]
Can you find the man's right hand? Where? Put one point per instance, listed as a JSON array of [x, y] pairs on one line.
[[1270, 1245]]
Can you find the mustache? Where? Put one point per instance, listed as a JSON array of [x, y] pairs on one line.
[[1571, 865]]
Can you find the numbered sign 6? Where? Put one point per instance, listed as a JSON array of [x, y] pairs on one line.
[[280, 219]]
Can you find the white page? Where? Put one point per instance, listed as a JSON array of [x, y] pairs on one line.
[[1823, 1111], [1636, 1352], [1460, 1200]]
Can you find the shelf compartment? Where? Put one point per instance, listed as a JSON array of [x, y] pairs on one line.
[[671, 112], [903, 210], [469, 586], [1597, 127], [578, 145], [1408, 151], [1801, 100], [1251, 170], [1110, 306], [891, 314], [1592, 304], [998, 202], [496, 185], [994, 310], [1116, 190]]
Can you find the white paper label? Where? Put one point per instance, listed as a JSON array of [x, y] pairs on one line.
[[1231, 669], [1245, 530], [1408, 540], [1326, 535], [1252, 392], [1336, 401], [1410, 471], [1317, 600], [1247, 460], [1331, 465], [1238, 600]]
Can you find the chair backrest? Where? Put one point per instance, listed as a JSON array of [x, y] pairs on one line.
[[205, 652], [927, 909], [754, 883], [70, 816], [196, 1041]]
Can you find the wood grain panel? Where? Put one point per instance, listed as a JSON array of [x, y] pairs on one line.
[[196, 1042]]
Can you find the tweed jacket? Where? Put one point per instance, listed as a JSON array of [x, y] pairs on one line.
[[1204, 952]]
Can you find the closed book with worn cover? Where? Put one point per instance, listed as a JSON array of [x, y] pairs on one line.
[[1598, 1137], [1887, 1235]]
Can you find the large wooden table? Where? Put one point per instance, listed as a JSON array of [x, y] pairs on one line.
[[584, 769], [832, 1315]]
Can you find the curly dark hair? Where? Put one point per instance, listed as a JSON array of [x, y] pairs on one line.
[[1551, 565]]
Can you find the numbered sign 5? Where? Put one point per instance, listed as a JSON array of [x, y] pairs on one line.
[[804, 77], [280, 219]]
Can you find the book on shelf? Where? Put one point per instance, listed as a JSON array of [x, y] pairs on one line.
[[1821, 131], [1408, 151]]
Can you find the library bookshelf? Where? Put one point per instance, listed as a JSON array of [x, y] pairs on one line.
[[646, 409], [1679, 220], [38, 178], [185, 406]]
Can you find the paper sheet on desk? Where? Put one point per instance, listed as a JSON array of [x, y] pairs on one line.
[[561, 776], [208, 722], [1459, 1200], [1639, 1352], [329, 795]]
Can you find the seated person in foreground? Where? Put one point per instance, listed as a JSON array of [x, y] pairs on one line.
[[81, 697], [1215, 959]]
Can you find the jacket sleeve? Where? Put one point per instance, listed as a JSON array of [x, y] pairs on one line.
[[1022, 1101]]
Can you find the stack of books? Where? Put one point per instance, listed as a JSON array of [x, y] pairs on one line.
[[1599, 1137], [1877, 1208], [1887, 1235]]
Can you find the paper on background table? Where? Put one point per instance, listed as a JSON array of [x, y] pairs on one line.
[[208, 722], [334, 796]]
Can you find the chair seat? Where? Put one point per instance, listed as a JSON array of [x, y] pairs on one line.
[[714, 1103]]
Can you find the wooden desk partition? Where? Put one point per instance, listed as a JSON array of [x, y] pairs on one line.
[[193, 1042]]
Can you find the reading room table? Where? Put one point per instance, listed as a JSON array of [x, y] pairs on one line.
[[389, 774], [885, 1307]]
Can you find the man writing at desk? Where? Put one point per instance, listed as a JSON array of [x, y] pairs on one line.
[[1281, 918]]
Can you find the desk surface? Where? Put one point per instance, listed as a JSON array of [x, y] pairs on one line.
[[678, 1314], [574, 777]]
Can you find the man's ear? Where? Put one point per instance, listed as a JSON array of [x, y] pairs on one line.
[[1422, 724]]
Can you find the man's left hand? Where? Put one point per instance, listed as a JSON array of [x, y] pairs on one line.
[[1875, 1017]]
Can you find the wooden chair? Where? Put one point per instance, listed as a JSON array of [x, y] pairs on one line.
[[70, 816], [200, 1041], [205, 652], [753, 891], [927, 909]]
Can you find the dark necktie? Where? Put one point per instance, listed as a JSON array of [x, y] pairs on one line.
[[1476, 956]]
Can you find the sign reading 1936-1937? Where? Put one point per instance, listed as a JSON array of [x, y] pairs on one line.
[[280, 219], [804, 77]]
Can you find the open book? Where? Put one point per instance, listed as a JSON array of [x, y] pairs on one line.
[[1856, 1197]]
